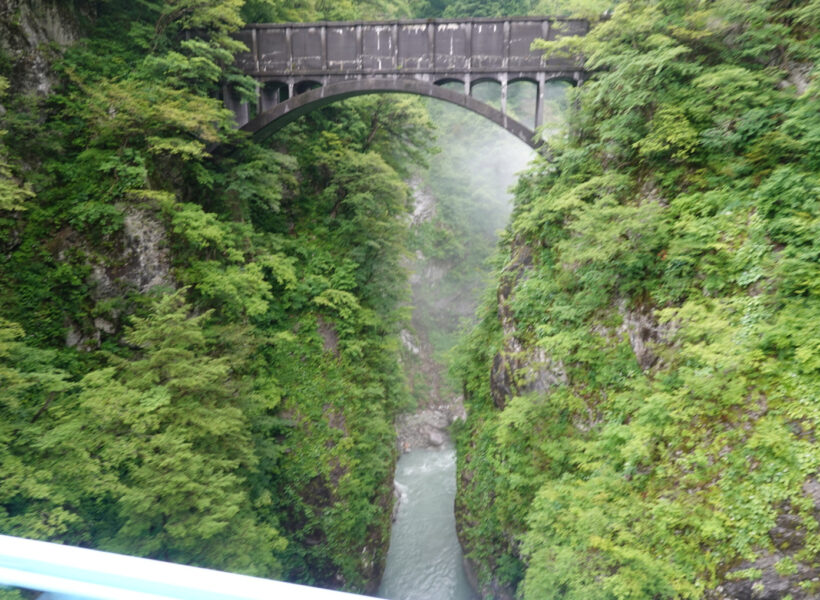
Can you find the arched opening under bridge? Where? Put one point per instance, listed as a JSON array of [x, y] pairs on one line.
[[311, 96]]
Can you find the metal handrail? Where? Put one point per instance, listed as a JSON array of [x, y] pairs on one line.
[[84, 573]]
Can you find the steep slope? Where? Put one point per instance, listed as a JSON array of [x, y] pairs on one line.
[[198, 347], [643, 389]]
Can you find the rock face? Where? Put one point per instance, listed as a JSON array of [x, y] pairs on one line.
[[31, 34], [142, 264], [429, 427], [644, 332], [518, 369], [29, 31], [780, 572], [438, 405]]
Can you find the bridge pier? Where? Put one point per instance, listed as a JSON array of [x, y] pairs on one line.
[[504, 94], [269, 96], [541, 82], [240, 109]]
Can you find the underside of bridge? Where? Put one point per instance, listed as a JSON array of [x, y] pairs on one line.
[[303, 66], [270, 121]]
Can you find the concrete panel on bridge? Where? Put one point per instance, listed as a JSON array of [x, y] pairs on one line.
[[414, 47], [488, 46], [307, 49], [274, 50], [342, 50], [377, 48]]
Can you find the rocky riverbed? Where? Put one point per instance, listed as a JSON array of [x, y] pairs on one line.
[[429, 427]]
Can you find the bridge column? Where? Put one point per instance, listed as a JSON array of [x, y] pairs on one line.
[[238, 108], [539, 100], [359, 49], [504, 78], [269, 97], [468, 91]]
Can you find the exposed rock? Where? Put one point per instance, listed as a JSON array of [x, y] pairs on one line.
[[645, 333], [409, 341], [771, 585], [516, 271], [104, 325], [492, 590], [437, 437], [800, 582], [329, 335], [428, 427], [399, 496], [148, 263], [142, 264], [799, 77], [29, 32], [430, 274], [501, 384], [517, 371], [424, 203], [74, 337]]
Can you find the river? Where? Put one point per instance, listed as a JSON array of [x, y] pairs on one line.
[[424, 561]]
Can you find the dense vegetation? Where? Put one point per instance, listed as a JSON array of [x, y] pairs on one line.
[[199, 351], [656, 323], [198, 334]]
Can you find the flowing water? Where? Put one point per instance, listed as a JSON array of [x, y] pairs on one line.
[[424, 561]]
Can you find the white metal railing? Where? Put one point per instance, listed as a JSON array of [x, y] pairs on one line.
[[83, 573]]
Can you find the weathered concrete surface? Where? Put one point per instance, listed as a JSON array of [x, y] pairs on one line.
[[285, 112], [301, 66]]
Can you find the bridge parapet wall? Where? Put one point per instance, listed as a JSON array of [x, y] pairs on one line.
[[411, 47]]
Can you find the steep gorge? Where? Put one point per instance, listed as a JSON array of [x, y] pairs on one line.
[[641, 386]]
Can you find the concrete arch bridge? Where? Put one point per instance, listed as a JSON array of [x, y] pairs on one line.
[[302, 66]]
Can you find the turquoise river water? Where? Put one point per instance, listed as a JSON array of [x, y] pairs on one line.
[[424, 561]]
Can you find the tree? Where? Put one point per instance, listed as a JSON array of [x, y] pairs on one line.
[[167, 432]]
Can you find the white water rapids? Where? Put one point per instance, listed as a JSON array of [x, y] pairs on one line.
[[425, 560]]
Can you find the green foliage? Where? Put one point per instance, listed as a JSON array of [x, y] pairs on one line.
[[183, 425], [480, 8], [685, 190], [12, 194], [462, 202], [168, 438], [32, 503], [278, 11]]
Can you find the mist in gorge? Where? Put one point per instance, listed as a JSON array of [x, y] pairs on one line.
[[462, 204]]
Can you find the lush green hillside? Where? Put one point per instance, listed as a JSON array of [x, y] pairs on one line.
[[644, 386], [198, 334]]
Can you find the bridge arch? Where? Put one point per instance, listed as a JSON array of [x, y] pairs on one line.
[[474, 81], [574, 79], [306, 85], [447, 80], [276, 117]]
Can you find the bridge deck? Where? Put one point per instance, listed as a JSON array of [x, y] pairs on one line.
[[405, 47]]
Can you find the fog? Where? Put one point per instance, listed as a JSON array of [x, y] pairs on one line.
[[463, 202]]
